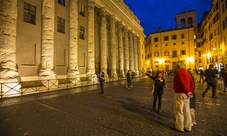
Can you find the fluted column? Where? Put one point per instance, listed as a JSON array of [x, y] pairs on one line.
[[135, 54], [139, 55], [126, 49], [8, 26], [131, 58], [73, 72], [47, 56], [91, 42], [113, 72], [103, 43], [121, 50]]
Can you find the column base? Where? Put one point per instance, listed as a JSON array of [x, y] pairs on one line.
[[48, 79], [74, 77]]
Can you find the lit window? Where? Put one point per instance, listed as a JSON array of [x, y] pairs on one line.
[[174, 53], [61, 25], [82, 9], [29, 13], [156, 54], [81, 32], [166, 53]]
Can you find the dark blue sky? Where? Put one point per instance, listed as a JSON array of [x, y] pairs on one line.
[[161, 13]]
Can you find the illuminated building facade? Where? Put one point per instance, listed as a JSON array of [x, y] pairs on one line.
[[165, 48], [50, 39], [211, 37]]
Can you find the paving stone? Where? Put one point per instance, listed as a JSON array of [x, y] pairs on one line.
[[119, 112]]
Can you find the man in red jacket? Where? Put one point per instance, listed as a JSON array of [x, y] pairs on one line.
[[183, 86]]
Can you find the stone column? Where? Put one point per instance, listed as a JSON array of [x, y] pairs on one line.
[[91, 42], [113, 73], [126, 49], [8, 27], [121, 50], [139, 55], [47, 56], [73, 72], [131, 58], [103, 43], [135, 53]]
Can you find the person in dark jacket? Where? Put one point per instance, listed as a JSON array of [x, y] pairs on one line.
[[192, 100], [128, 76], [210, 76], [201, 76], [159, 84], [101, 80]]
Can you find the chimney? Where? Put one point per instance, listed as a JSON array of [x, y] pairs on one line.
[[185, 9]]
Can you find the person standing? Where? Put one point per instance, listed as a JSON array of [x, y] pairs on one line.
[[210, 76], [159, 84], [102, 80], [183, 86], [201, 76], [192, 100], [128, 75], [225, 80]]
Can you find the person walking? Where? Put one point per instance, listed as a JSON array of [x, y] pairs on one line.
[[210, 76], [183, 86], [101, 81], [128, 75], [159, 84], [192, 100], [201, 76]]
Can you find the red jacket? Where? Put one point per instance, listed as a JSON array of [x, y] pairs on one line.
[[182, 82]]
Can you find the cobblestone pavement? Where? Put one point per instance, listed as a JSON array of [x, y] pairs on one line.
[[120, 112]]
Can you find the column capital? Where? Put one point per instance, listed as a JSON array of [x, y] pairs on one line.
[[91, 5], [103, 11]]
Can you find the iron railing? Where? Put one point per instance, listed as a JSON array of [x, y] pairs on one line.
[[11, 89]]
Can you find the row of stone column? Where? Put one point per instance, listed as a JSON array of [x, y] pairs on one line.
[[128, 49]]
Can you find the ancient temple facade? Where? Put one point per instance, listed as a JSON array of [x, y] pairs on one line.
[[51, 39]]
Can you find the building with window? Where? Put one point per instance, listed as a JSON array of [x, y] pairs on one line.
[[165, 47], [50, 39], [198, 45], [211, 37]]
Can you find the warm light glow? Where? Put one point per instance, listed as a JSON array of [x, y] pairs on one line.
[[208, 54], [214, 48], [190, 59], [160, 60]]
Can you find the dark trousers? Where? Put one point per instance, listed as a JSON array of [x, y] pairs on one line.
[[213, 85], [225, 85], [201, 79], [129, 83], [157, 96], [101, 87]]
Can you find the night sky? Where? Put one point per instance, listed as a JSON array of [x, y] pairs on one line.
[[161, 13]]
